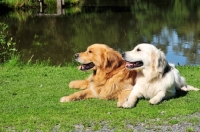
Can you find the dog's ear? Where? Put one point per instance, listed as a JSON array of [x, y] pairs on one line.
[[160, 61], [112, 60]]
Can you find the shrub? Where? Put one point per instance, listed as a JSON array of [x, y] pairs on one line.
[[7, 46]]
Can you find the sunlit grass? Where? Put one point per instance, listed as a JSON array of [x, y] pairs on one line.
[[30, 96], [20, 3]]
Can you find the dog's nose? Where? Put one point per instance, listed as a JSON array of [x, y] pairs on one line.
[[76, 56], [123, 54]]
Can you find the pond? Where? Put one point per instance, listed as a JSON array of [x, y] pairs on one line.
[[56, 33]]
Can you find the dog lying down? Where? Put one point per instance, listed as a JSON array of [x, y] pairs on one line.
[[156, 78], [110, 78]]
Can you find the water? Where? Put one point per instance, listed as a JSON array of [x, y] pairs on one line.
[[56, 34]]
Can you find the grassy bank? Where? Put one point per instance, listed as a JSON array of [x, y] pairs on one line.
[[30, 102], [32, 3]]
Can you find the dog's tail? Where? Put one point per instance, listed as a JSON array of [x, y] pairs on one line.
[[187, 88], [181, 83]]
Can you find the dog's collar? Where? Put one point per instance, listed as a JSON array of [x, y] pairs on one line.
[[167, 69]]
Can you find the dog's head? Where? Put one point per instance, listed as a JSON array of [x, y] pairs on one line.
[[145, 56], [98, 56]]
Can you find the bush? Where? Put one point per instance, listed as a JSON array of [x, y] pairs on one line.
[[7, 46]]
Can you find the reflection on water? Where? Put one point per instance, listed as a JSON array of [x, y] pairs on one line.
[[170, 25], [182, 50]]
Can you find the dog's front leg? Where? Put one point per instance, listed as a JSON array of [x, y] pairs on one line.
[[81, 84], [84, 94], [132, 99], [158, 98], [122, 97]]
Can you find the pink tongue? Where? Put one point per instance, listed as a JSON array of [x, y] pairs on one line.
[[129, 64]]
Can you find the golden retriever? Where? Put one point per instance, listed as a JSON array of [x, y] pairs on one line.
[[156, 78], [110, 78]]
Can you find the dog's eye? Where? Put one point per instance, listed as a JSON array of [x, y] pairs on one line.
[[138, 49], [90, 51]]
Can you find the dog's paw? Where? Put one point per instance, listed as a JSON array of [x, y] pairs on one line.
[[119, 104], [64, 99], [127, 105], [153, 101], [73, 84]]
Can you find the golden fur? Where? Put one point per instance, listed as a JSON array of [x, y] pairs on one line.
[[110, 78]]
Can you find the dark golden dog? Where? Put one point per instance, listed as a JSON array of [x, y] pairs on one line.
[[110, 78]]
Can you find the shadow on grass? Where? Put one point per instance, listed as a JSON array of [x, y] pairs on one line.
[[180, 93]]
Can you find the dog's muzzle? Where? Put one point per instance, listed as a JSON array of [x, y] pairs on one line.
[[76, 56]]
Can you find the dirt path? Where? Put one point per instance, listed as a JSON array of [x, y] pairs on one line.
[[185, 126]]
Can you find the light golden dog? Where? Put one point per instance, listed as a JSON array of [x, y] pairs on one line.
[[156, 79], [110, 78]]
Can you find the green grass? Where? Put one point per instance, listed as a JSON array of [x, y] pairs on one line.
[[30, 101]]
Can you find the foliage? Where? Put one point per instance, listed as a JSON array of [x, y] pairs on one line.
[[30, 102], [7, 46], [30, 3]]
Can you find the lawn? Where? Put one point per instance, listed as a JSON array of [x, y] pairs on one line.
[[30, 102]]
